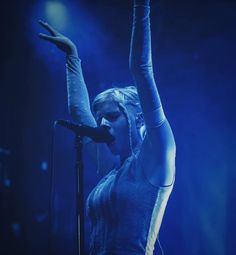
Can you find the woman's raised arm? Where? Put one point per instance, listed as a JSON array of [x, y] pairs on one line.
[[158, 147], [78, 98]]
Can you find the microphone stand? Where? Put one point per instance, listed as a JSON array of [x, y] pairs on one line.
[[79, 184], [99, 135]]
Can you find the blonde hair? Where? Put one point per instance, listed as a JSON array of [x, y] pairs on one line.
[[123, 96]]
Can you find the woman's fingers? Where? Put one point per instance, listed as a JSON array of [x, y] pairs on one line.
[[61, 41], [49, 28], [49, 38]]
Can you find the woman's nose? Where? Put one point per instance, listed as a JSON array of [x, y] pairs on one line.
[[105, 122]]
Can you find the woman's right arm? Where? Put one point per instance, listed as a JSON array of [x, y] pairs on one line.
[[79, 108], [78, 98]]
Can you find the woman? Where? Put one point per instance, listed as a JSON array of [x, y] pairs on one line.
[[127, 206]]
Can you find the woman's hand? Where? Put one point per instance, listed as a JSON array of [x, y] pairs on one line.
[[61, 41], [142, 2]]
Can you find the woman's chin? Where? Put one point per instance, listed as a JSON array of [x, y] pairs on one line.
[[113, 148]]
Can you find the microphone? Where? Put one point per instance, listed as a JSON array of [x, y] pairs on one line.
[[97, 134]]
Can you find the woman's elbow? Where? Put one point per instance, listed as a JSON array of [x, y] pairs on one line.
[[138, 68], [82, 117], [74, 113]]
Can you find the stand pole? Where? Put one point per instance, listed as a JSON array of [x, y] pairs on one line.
[[79, 168]]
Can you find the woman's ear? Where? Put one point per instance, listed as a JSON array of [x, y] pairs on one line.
[[139, 120], [140, 124]]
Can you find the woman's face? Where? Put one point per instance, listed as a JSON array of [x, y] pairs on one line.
[[110, 114]]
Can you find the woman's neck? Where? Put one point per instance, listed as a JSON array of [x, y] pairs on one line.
[[136, 147]]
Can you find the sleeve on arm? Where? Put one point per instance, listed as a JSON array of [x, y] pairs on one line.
[[79, 108], [78, 98], [141, 65], [155, 118]]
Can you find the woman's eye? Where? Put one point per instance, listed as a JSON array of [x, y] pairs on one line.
[[99, 121], [112, 117]]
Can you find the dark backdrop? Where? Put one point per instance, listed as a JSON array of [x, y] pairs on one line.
[[194, 62]]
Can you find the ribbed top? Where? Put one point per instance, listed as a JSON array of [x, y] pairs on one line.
[[125, 212]]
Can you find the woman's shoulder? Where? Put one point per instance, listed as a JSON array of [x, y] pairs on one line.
[[156, 158]]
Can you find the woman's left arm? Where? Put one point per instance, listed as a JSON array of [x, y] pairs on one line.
[[158, 149]]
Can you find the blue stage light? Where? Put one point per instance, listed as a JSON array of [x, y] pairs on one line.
[[7, 183], [44, 166], [56, 14]]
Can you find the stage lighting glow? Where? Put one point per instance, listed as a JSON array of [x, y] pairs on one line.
[[56, 14], [7, 183], [44, 166], [16, 229]]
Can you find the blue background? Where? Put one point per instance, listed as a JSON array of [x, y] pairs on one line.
[[194, 63]]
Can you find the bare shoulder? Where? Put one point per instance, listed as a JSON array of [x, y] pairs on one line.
[[157, 155]]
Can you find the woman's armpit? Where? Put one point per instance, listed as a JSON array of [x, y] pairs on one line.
[[157, 156]]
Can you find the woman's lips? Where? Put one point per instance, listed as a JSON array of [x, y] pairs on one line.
[[110, 144], [113, 140]]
